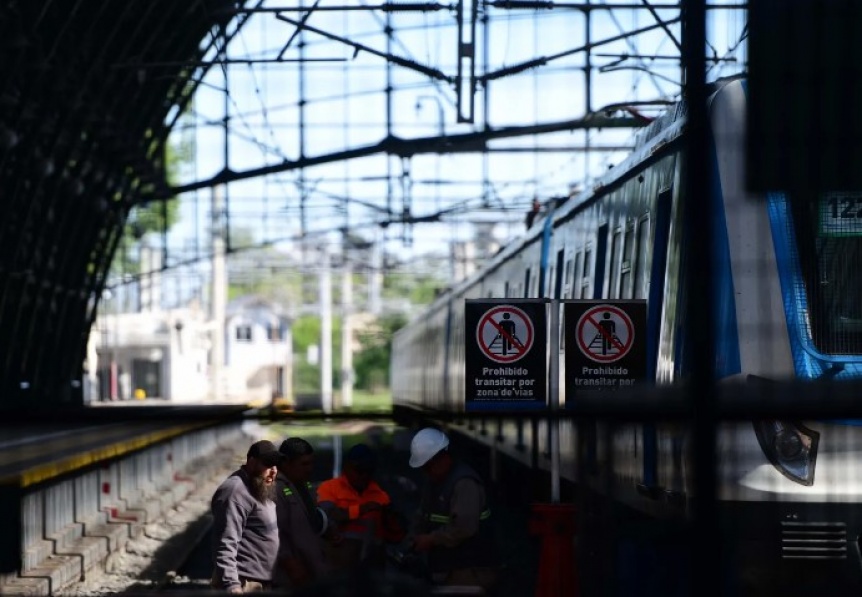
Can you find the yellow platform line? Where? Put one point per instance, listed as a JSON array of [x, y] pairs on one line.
[[44, 472]]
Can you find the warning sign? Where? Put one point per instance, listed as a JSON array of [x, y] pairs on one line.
[[505, 334], [605, 344], [505, 354]]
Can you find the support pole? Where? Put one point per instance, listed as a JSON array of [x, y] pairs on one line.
[[346, 336], [219, 296], [554, 400], [326, 334], [555, 522]]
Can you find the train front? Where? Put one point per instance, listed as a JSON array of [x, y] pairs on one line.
[[791, 313]]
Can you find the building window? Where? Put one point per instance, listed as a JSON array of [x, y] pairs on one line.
[[243, 333], [274, 332]]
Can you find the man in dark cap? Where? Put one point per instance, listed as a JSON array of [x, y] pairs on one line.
[[245, 531], [358, 505]]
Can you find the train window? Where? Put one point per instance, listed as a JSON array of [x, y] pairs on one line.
[[626, 266], [601, 256], [558, 277], [585, 279], [577, 276], [829, 238], [614, 289], [567, 280], [506, 290], [527, 283], [640, 259]]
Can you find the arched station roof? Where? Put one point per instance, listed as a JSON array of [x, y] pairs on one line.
[[82, 138]]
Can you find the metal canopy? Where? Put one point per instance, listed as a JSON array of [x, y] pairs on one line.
[[91, 89]]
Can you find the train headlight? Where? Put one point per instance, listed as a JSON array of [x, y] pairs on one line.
[[790, 447]]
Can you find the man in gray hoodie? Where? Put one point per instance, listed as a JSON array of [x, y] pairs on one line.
[[245, 528]]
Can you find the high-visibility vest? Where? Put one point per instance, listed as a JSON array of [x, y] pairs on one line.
[[340, 493], [480, 550]]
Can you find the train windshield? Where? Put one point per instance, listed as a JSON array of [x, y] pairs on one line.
[[829, 235]]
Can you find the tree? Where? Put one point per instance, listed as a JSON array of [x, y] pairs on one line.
[[306, 333], [371, 363], [150, 218]]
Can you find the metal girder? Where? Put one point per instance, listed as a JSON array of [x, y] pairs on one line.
[[464, 142]]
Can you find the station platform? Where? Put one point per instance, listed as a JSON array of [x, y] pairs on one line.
[[36, 452], [75, 486]]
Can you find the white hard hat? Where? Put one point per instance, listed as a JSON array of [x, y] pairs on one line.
[[425, 445]]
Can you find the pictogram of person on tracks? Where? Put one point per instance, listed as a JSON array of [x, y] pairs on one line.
[[607, 335], [507, 335]]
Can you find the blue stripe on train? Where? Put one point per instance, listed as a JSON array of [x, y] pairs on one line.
[[726, 334], [728, 360]]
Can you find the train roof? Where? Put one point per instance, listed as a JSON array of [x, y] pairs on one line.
[[665, 129]]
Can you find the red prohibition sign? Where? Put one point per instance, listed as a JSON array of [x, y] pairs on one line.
[[601, 338], [499, 339]]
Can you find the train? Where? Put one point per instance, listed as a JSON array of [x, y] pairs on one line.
[[787, 306]]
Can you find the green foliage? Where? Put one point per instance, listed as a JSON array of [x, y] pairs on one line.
[[371, 364], [150, 218], [421, 289], [306, 332]]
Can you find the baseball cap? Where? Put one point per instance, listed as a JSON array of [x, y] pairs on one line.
[[265, 451]]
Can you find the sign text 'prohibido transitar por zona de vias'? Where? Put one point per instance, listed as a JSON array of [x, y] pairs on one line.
[[506, 354]]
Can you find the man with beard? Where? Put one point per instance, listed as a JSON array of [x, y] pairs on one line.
[[301, 524], [245, 528]]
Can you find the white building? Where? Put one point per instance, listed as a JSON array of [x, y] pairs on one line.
[[258, 350], [167, 354], [153, 354]]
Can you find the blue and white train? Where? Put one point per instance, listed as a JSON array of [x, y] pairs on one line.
[[788, 306]]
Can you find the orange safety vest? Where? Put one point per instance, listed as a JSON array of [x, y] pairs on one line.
[[340, 493]]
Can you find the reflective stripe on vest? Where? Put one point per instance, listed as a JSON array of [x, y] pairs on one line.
[[443, 519], [288, 491]]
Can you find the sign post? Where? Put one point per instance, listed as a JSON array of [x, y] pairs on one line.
[[505, 354], [555, 522], [554, 401]]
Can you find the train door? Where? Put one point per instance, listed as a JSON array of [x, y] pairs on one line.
[[655, 296]]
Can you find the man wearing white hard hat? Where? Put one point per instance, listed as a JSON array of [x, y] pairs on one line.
[[454, 522]]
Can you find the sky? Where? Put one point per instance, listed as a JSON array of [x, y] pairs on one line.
[[344, 83]]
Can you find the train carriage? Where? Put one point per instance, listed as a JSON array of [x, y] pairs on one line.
[[788, 305]]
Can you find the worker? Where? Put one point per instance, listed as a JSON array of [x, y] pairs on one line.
[[453, 525], [301, 524], [360, 508], [245, 531]]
